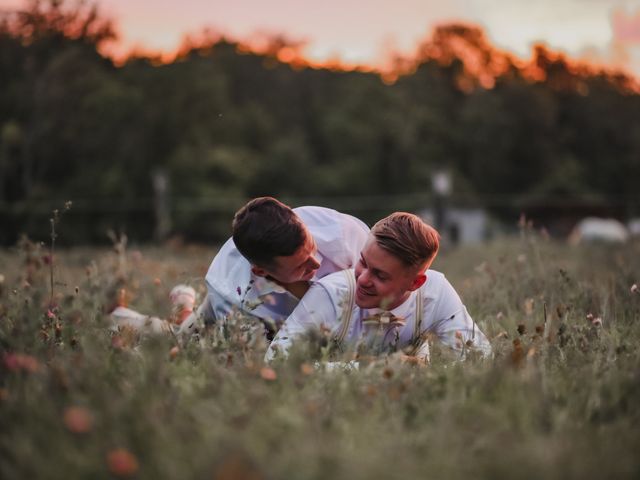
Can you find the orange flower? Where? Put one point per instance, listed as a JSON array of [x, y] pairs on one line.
[[306, 369], [78, 420], [122, 463], [268, 373]]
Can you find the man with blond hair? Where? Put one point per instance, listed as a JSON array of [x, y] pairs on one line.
[[390, 301]]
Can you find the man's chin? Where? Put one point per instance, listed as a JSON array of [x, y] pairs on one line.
[[308, 276], [366, 301]]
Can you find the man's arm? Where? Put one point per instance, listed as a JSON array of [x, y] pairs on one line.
[[316, 309], [198, 318]]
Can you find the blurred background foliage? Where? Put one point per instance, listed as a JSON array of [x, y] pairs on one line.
[[221, 123]]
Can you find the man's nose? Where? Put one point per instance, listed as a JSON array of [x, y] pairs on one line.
[[364, 278], [313, 263]]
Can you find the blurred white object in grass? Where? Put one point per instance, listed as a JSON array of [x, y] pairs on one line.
[[593, 229], [125, 317], [183, 298]]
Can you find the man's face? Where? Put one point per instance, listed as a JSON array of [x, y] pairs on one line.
[[301, 266], [382, 280]]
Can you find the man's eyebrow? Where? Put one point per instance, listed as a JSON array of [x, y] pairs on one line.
[[375, 270]]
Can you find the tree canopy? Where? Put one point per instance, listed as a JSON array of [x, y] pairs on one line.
[[224, 122]]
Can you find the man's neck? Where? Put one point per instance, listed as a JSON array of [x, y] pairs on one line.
[[297, 289]]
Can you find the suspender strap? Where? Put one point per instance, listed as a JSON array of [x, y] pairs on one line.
[[419, 314], [347, 311]]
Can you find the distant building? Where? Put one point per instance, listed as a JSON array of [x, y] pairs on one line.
[[460, 226]]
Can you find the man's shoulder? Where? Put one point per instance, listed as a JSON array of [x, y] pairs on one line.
[[336, 284], [435, 282], [319, 216], [228, 269], [323, 216], [337, 279], [437, 287]]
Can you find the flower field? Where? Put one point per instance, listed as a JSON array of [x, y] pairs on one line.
[[560, 398]]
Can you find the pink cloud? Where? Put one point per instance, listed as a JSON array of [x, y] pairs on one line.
[[626, 26]]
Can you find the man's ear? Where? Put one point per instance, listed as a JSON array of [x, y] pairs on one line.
[[258, 272], [418, 281]]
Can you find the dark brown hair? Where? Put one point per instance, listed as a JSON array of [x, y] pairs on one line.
[[407, 237], [266, 228]]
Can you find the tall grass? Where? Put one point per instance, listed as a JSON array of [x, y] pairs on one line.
[[560, 398]]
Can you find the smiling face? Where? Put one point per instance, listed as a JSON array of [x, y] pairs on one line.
[[382, 279], [301, 266]]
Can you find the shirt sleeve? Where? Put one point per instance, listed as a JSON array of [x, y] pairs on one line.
[[356, 233], [454, 326], [313, 311]]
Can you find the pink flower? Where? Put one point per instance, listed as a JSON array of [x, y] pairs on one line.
[[16, 362]]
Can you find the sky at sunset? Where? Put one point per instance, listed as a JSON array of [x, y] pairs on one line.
[[365, 31]]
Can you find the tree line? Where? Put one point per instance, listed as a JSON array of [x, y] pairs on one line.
[[222, 123]]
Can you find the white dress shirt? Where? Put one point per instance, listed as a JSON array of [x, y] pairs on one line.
[[232, 286], [443, 314]]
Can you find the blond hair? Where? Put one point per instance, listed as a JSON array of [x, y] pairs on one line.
[[407, 237]]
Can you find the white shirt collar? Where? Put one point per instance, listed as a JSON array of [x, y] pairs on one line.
[[404, 310]]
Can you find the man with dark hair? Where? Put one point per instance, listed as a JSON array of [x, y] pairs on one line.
[[274, 252], [390, 299]]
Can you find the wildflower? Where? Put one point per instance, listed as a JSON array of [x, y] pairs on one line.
[[173, 353], [117, 342], [634, 288], [597, 322], [522, 329], [50, 314], [371, 391], [157, 282], [268, 373], [306, 369], [78, 420], [122, 297], [528, 306], [19, 362], [501, 335], [122, 463], [518, 352]]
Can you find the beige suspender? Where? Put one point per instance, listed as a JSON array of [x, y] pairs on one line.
[[419, 313], [347, 311], [421, 346]]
